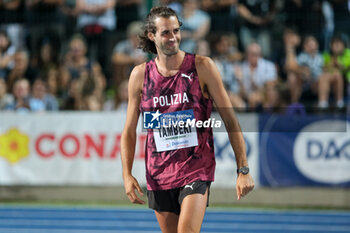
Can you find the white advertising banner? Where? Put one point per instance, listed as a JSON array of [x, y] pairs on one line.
[[83, 148], [64, 149]]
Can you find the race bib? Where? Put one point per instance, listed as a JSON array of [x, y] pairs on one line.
[[177, 130]]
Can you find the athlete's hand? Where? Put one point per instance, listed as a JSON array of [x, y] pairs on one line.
[[130, 184], [244, 185]]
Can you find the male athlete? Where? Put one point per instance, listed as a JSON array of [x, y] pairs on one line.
[[180, 163]]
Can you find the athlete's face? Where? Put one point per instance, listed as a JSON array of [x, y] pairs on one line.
[[167, 36]]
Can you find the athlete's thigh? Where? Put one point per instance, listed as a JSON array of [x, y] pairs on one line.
[[167, 221], [192, 213]]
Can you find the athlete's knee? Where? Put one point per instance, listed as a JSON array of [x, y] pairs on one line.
[[188, 228]]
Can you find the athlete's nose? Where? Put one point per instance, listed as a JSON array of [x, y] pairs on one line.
[[172, 37]]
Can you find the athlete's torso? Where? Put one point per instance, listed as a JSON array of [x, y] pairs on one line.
[[177, 156]]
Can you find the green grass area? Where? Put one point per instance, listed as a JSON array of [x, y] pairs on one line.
[[85, 204]]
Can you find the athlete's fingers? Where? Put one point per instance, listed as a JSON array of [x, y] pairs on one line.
[[134, 198], [130, 185], [245, 190], [130, 197], [139, 188], [137, 200], [238, 191]]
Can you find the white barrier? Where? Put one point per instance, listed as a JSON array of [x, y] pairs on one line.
[[83, 148]]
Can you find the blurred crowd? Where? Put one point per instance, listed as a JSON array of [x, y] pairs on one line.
[[273, 55]]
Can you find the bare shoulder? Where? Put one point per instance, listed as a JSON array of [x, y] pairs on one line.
[[206, 69], [137, 76], [139, 70], [203, 62]]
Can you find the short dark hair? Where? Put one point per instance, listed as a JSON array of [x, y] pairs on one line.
[[339, 37], [161, 11]]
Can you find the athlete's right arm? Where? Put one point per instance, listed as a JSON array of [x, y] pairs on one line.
[[128, 140]]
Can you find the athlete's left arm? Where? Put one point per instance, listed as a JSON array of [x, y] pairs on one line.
[[210, 78]]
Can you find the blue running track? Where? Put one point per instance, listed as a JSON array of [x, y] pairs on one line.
[[21, 219]]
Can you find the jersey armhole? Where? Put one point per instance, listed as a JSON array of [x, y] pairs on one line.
[[204, 89]]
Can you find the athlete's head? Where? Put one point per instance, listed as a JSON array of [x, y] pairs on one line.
[[162, 31]]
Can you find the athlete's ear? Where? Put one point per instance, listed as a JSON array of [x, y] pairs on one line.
[[150, 36]]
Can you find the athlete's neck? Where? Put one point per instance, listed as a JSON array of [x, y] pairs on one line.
[[168, 64]]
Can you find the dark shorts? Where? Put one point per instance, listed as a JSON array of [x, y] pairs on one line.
[[170, 200]]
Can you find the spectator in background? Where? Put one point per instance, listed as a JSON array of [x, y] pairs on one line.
[[308, 16], [120, 101], [336, 67], [294, 72], [203, 48], [70, 13], [23, 102], [72, 99], [257, 18], [126, 53], [288, 50], [80, 96], [96, 18], [128, 11], [11, 20], [223, 14], [20, 70], [258, 76], [39, 92], [309, 70], [341, 10], [5, 98], [44, 20], [195, 25], [80, 76], [281, 101], [46, 65], [51, 77], [328, 29], [6, 54], [76, 63], [91, 103], [48, 56], [175, 5], [225, 56]]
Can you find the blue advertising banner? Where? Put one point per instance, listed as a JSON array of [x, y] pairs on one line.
[[304, 151]]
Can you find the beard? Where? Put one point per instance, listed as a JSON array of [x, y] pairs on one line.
[[169, 50]]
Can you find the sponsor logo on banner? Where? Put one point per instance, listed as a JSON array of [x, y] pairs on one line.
[[14, 145], [323, 157], [86, 145]]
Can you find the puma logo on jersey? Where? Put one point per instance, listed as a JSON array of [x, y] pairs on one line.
[[187, 76], [190, 185]]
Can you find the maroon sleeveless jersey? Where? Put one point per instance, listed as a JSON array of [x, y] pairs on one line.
[[177, 156]]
